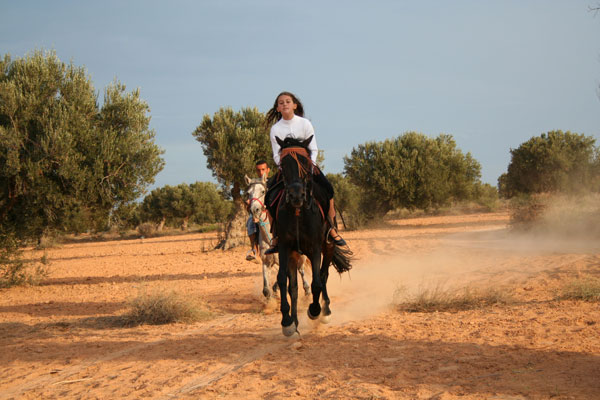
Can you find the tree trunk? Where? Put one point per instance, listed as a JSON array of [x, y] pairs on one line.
[[342, 217], [161, 224], [184, 223], [235, 232]]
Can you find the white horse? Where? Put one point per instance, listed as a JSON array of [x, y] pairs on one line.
[[257, 188]]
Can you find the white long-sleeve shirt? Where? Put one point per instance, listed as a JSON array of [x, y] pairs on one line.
[[298, 128]]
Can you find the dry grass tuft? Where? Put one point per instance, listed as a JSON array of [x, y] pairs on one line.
[[439, 298], [164, 308], [586, 289]]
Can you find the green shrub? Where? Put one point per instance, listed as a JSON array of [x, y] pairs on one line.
[[556, 161]]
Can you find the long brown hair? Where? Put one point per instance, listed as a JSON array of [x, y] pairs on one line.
[[273, 115]]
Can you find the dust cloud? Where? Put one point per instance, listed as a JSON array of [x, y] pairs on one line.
[[485, 258]]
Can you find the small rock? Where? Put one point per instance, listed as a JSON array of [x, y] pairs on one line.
[[296, 345]]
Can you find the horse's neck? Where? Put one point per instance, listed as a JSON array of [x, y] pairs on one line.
[[264, 230]]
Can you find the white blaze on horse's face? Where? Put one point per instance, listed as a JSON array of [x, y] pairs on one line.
[[256, 196], [256, 209]]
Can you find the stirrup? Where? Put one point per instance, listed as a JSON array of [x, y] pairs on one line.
[[338, 242], [274, 247]]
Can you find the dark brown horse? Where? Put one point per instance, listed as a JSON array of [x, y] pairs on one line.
[[300, 212]]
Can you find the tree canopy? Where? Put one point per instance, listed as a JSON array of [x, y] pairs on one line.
[[232, 143], [555, 161], [200, 202], [412, 171], [60, 151]]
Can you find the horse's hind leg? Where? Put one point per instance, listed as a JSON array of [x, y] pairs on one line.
[[266, 289], [272, 262], [305, 284]]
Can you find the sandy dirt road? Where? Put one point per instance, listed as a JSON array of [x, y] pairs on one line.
[[59, 340]]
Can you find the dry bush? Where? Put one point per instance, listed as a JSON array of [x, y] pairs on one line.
[[209, 245], [586, 289], [164, 308], [14, 270], [19, 273], [49, 241], [439, 298], [525, 211], [146, 229], [557, 214]]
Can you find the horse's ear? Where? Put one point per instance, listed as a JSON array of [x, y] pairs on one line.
[[306, 142], [248, 180], [279, 141]]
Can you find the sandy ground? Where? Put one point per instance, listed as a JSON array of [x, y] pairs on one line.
[[59, 340]]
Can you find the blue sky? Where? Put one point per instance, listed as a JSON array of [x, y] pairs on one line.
[[490, 73]]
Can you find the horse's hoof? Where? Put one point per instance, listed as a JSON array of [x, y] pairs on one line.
[[312, 316], [266, 293], [325, 319], [289, 330]]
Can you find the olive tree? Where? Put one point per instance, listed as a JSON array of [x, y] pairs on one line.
[[232, 143], [62, 155], [200, 202], [555, 161], [411, 171]]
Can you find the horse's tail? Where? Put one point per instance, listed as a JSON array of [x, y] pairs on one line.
[[342, 257]]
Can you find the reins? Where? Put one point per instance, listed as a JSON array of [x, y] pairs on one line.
[[294, 152]]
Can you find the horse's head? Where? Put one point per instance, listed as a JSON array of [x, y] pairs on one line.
[[297, 169], [257, 187]]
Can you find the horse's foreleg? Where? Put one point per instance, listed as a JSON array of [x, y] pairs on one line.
[[293, 289], [324, 274], [305, 284], [326, 312], [314, 309], [282, 278]]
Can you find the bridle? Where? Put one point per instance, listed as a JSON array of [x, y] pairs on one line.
[[257, 199], [262, 219]]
